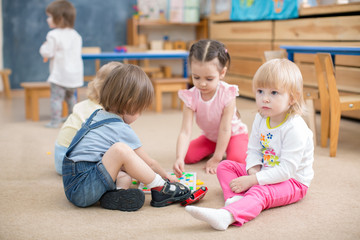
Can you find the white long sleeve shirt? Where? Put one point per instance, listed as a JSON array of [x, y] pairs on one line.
[[63, 48], [284, 152]]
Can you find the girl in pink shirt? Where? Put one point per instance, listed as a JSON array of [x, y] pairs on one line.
[[213, 103]]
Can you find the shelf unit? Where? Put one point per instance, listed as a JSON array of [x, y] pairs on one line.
[[133, 26], [333, 25]]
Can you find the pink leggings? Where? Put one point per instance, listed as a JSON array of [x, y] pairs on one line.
[[258, 197], [202, 147]]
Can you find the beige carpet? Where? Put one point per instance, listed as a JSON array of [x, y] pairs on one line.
[[33, 204]]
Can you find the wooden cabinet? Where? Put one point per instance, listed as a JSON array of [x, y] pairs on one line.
[[322, 26], [246, 43], [134, 25]]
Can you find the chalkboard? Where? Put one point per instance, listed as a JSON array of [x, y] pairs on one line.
[[100, 23]]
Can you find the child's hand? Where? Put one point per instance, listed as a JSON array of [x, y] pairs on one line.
[[241, 184], [211, 165], [45, 60], [178, 167]]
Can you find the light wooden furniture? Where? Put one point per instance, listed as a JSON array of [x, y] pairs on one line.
[[332, 25], [324, 98], [34, 91], [134, 25], [175, 54], [172, 85], [90, 50], [6, 82], [309, 94], [338, 104]]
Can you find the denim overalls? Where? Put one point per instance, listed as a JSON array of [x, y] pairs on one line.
[[85, 182]]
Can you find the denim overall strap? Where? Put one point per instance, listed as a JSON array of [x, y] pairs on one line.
[[86, 128]]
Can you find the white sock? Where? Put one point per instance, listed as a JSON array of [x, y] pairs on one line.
[[220, 219], [158, 181], [233, 199]]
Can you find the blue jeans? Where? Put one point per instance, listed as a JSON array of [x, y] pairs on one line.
[[85, 182], [59, 156]]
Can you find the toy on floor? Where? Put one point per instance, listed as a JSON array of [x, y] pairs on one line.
[[187, 179], [195, 196]]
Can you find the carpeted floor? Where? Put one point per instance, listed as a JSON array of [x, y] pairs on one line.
[[33, 204]]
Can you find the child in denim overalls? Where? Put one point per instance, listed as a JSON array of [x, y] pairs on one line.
[[106, 145]]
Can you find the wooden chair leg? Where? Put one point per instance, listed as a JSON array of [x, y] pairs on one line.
[[158, 99], [6, 85], [311, 117], [65, 110], [325, 125], [27, 104], [35, 107], [6, 82], [334, 132], [174, 100]]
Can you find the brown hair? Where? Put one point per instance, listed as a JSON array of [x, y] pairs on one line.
[[93, 89], [126, 90], [63, 13], [282, 74], [206, 50]]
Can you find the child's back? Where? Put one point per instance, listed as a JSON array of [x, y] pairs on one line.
[[63, 48]]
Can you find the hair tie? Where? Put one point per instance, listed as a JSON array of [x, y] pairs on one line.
[[225, 50]]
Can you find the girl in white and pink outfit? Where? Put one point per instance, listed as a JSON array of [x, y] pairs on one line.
[[213, 103], [278, 168]]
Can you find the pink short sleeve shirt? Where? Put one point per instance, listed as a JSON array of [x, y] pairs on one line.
[[208, 113]]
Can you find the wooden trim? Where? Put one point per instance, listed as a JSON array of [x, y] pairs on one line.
[[329, 9]]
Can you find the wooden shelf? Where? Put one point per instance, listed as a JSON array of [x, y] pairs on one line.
[[163, 23], [134, 24], [329, 9]]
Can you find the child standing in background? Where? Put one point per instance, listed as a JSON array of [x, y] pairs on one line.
[[213, 103], [63, 47], [106, 145], [81, 112], [278, 168]]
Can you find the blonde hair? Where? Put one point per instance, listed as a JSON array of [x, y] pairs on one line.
[[93, 89], [126, 90], [63, 13], [284, 75]]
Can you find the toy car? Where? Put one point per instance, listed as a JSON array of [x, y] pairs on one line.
[[195, 196]]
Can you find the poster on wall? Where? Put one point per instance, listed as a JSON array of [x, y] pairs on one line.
[[255, 10]]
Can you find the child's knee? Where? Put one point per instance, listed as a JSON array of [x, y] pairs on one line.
[[121, 148], [224, 165]]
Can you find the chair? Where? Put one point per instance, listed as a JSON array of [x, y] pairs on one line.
[[172, 85], [324, 98], [152, 72], [6, 83], [310, 94], [338, 104], [90, 50], [33, 92]]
